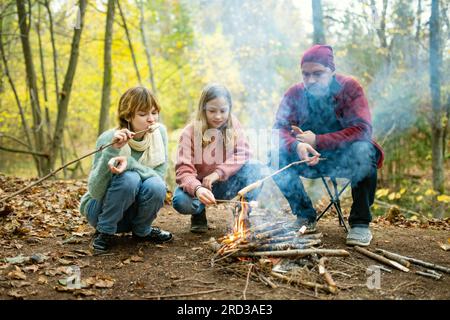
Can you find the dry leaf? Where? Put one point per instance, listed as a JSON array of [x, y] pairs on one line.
[[33, 268], [19, 283], [444, 246], [104, 283], [42, 280], [17, 274], [137, 259], [17, 294], [84, 292]]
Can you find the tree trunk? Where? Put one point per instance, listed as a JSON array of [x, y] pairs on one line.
[[319, 33], [146, 45], [54, 52], [437, 130], [107, 66], [63, 102], [43, 164], [130, 45]]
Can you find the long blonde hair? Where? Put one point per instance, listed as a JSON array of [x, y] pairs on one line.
[[211, 92]]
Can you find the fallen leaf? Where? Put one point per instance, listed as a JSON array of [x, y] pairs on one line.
[[33, 268], [17, 294], [137, 259], [444, 246], [17, 274], [19, 283], [104, 283], [196, 248], [20, 259], [84, 292], [42, 280], [126, 261], [65, 262]]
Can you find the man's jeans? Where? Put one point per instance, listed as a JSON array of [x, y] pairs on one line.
[[184, 203], [356, 161], [128, 205]]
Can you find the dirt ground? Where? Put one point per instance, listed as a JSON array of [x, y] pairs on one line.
[[42, 235]]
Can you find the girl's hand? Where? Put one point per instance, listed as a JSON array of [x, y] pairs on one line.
[[117, 165], [210, 179], [304, 149], [121, 137], [205, 196]]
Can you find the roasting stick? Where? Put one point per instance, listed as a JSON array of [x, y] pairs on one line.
[[258, 183]]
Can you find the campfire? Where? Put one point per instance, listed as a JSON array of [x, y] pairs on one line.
[[267, 246]]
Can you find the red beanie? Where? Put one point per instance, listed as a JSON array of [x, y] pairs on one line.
[[321, 54]]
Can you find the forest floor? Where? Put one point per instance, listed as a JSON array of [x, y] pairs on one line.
[[43, 236]]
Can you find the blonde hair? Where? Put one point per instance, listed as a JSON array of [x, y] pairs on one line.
[[135, 99], [211, 92]]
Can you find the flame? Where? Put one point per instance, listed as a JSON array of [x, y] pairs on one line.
[[240, 231]]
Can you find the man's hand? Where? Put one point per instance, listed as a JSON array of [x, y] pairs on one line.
[[205, 196], [210, 179], [307, 137], [121, 137], [303, 151], [117, 165]]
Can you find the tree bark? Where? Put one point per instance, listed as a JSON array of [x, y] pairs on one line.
[[107, 66], [63, 102], [54, 52], [146, 45], [130, 45], [319, 33], [437, 129]]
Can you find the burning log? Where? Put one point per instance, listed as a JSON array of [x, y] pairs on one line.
[[295, 253], [417, 261], [381, 259]]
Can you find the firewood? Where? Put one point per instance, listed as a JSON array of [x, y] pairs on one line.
[[287, 246], [429, 275], [381, 259], [326, 275], [270, 233], [295, 253], [419, 262], [308, 284], [395, 258]]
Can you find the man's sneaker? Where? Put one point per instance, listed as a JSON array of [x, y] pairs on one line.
[[156, 235], [359, 236], [102, 242], [199, 223], [300, 222]]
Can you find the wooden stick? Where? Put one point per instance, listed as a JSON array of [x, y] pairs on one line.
[[326, 275], [419, 262], [308, 284], [381, 259], [258, 183], [183, 294], [395, 258], [246, 282], [429, 275], [295, 253], [286, 246], [101, 148]]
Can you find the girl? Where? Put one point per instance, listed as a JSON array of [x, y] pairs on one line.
[[126, 185], [212, 158]]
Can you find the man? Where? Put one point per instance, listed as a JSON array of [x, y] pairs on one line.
[[328, 115]]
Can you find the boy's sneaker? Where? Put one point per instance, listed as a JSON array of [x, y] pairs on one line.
[[310, 225], [102, 242], [156, 235], [359, 236], [199, 223]]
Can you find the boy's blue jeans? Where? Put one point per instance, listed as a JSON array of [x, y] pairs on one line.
[[184, 203], [128, 205]]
